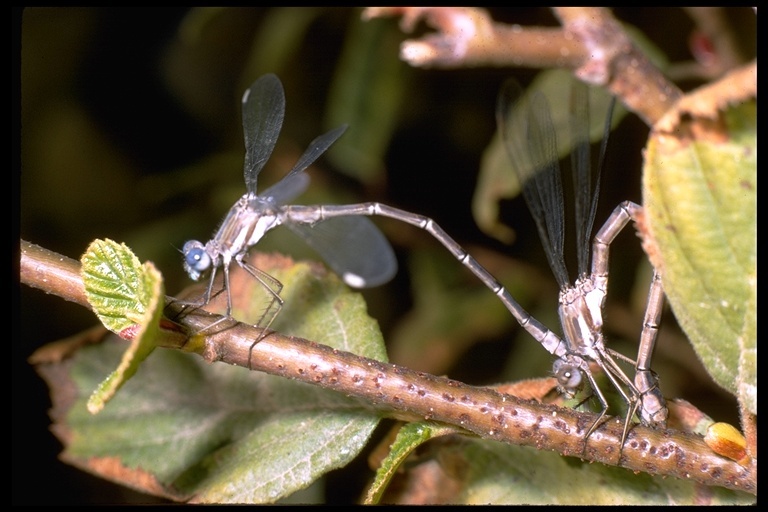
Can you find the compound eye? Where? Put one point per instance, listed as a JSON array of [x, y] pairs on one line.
[[196, 259], [568, 376]]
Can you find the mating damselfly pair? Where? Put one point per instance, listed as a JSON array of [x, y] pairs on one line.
[[356, 250]]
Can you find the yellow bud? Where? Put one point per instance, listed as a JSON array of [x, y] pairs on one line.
[[726, 440]]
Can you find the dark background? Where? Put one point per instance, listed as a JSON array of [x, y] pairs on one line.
[[106, 70]]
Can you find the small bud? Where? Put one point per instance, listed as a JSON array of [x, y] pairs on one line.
[[725, 440]]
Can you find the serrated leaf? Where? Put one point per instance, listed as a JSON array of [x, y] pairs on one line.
[[213, 433], [125, 295], [116, 286], [700, 199]]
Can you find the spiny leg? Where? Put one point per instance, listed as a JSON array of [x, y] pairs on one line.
[[273, 287], [632, 404], [652, 406], [619, 378], [569, 380], [553, 344], [603, 403], [207, 298], [208, 295]]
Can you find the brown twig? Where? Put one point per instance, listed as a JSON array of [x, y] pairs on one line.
[[51, 273], [412, 395], [591, 42], [617, 64], [468, 37]]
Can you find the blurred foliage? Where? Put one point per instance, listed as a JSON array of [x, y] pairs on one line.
[[131, 130]]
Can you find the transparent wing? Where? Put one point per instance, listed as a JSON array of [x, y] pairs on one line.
[[586, 177], [585, 198], [529, 136], [287, 189], [600, 161], [296, 181], [353, 247], [263, 111]]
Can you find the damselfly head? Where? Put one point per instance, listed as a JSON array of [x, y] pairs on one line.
[[568, 377], [196, 259]]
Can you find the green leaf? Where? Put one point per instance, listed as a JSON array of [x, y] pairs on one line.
[[116, 285], [367, 92], [484, 472], [127, 297], [409, 437], [701, 205], [213, 433], [456, 469]]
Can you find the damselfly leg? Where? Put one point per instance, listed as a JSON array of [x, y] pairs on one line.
[[527, 129], [357, 251], [372, 261]]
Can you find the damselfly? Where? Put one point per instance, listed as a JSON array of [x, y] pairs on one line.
[[526, 127], [351, 244]]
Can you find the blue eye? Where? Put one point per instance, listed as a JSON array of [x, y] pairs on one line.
[[196, 260]]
